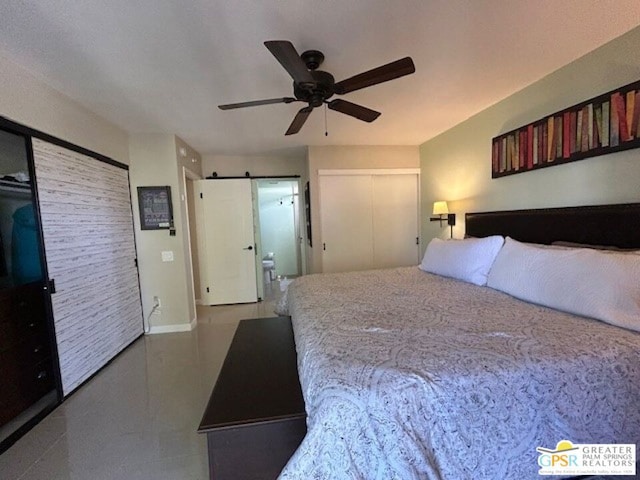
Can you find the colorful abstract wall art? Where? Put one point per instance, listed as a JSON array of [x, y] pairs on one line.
[[605, 124]]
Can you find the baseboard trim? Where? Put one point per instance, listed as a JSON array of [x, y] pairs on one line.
[[194, 323], [175, 328]]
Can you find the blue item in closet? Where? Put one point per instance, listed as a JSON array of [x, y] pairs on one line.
[[25, 251]]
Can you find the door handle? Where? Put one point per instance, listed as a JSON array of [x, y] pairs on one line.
[[250, 247]]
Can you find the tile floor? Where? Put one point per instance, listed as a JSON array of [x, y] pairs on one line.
[[137, 418]]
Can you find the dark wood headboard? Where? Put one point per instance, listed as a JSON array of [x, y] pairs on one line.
[[615, 225]]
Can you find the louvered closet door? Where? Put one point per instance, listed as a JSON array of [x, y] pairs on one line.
[[88, 235]]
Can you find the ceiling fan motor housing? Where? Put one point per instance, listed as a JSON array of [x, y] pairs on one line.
[[316, 92], [312, 59]]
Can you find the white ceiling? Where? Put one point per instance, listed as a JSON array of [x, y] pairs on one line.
[[164, 65]]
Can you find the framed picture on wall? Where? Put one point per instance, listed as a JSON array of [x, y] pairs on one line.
[[156, 212]]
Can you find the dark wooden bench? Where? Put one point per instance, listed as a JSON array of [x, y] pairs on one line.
[[255, 418]]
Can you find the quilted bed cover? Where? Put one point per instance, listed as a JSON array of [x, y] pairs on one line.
[[408, 375]]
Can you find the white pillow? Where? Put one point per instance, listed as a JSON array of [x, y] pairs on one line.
[[592, 283], [469, 260]]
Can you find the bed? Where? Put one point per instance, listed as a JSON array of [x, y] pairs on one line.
[[411, 375]]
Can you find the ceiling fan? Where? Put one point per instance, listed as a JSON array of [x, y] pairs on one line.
[[315, 87]]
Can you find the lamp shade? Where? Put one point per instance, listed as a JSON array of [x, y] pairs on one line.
[[440, 208]]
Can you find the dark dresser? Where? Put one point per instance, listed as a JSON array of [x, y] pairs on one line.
[[26, 368]]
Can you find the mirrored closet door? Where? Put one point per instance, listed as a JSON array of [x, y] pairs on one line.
[[27, 350]]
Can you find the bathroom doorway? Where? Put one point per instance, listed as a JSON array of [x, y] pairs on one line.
[[280, 236]]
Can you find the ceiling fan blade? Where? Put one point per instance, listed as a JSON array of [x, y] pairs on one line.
[[286, 54], [298, 120], [387, 72], [256, 103], [358, 111]]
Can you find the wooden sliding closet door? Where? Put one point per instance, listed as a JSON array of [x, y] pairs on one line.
[[85, 207]]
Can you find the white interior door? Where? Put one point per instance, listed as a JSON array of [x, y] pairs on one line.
[[347, 222], [229, 241], [395, 220], [257, 235]]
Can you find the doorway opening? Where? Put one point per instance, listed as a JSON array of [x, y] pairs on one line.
[[278, 234], [192, 261]]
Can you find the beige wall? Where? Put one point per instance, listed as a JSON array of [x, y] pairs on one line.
[[27, 100], [348, 157], [155, 160], [237, 165], [455, 166]]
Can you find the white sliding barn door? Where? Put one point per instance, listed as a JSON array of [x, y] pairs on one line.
[[87, 224], [226, 241]]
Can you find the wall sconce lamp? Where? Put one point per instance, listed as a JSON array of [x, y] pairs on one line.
[[441, 209]]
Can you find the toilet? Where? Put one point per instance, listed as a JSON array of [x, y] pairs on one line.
[[269, 267]]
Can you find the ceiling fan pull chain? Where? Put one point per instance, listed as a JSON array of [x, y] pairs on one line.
[[326, 133]]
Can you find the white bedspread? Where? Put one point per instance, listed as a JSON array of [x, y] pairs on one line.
[[407, 375]]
